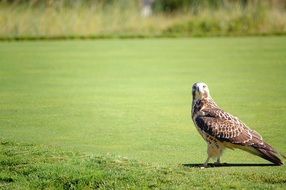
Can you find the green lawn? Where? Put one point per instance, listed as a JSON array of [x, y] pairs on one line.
[[25, 166], [132, 98]]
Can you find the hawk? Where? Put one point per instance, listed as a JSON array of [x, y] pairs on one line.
[[222, 130]]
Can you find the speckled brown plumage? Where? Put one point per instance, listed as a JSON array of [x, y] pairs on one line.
[[222, 130]]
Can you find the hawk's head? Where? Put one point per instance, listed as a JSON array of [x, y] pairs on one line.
[[200, 91]]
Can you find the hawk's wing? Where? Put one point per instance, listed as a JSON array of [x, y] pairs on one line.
[[227, 128]]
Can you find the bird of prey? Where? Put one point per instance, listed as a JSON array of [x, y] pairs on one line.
[[222, 130]]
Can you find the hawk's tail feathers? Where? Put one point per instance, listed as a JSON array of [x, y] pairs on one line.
[[266, 152], [269, 155]]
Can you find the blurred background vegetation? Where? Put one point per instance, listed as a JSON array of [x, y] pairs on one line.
[[32, 19]]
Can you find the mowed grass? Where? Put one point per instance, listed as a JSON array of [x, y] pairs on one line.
[[132, 98], [26, 166]]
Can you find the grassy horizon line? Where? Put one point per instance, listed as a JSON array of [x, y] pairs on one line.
[[135, 36]]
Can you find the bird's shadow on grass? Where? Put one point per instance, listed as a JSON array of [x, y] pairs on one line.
[[211, 165]]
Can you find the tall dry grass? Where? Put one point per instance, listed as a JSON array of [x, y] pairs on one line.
[[111, 21]]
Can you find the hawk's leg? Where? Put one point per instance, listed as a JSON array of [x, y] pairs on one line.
[[218, 157], [214, 151], [217, 161], [207, 161]]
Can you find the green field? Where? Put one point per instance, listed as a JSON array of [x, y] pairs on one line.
[[132, 98]]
